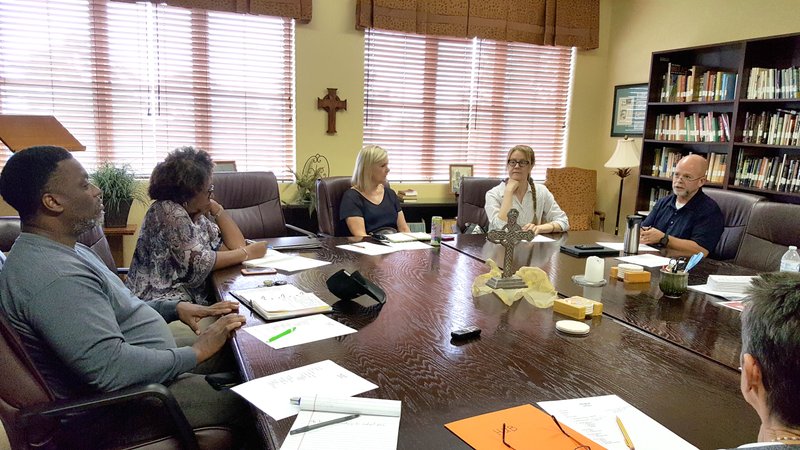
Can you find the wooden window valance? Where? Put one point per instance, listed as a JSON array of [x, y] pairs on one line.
[[567, 23], [299, 10]]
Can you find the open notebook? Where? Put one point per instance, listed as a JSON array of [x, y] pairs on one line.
[[376, 427], [281, 302]]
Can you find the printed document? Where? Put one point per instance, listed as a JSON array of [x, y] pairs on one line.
[[595, 417], [368, 248], [273, 393], [647, 260], [377, 426], [619, 246], [303, 330], [285, 263]]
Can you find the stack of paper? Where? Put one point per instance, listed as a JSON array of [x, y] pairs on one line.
[[287, 333], [283, 262], [407, 237], [376, 427], [729, 283]]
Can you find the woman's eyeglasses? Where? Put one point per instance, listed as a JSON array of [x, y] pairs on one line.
[[514, 162], [579, 447]]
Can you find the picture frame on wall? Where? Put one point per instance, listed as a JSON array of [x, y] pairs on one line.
[[630, 102], [457, 172]]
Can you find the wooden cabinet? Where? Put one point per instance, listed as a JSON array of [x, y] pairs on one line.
[[694, 107]]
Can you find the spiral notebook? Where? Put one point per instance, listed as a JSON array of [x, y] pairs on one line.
[[281, 302]]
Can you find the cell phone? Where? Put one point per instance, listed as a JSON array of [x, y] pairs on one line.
[[258, 271], [466, 333], [589, 247]]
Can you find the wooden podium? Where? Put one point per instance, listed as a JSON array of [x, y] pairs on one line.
[[18, 132]]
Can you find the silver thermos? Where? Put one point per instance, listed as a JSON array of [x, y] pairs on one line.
[[634, 226]]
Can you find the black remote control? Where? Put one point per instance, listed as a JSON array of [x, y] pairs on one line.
[[466, 333]]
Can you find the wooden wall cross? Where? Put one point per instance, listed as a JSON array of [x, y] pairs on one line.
[[331, 103]]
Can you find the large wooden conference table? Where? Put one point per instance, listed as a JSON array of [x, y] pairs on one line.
[[404, 347], [694, 321]]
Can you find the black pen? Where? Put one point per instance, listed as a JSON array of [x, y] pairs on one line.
[[324, 424]]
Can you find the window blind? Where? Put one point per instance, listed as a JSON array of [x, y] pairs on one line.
[[435, 101], [132, 81]]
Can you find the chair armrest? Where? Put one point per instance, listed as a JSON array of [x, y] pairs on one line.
[[301, 231], [183, 430]]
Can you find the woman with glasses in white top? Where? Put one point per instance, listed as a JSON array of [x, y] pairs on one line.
[[538, 210]]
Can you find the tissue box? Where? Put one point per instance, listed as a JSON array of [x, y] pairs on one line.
[[575, 307]]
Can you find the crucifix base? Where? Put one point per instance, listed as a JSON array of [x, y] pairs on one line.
[[513, 282]]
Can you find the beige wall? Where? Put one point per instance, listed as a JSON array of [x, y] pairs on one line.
[[330, 54]]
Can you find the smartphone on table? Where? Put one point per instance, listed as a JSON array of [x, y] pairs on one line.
[[258, 271]]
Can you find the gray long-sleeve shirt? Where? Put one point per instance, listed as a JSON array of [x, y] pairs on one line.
[[82, 327]]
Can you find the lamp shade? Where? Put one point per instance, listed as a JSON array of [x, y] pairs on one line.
[[625, 155]]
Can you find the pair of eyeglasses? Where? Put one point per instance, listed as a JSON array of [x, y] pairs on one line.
[[210, 191], [514, 162], [685, 178], [579, 447]]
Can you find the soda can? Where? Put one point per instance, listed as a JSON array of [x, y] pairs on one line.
[[436, 231]]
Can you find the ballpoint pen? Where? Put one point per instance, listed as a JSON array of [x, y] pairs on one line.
[[324, 424], [281, 334], [628, 441]]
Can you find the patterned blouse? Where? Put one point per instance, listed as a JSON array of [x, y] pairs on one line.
[[174, 255]]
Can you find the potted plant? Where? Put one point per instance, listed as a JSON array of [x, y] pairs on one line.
[[120, 188], [306, 181]]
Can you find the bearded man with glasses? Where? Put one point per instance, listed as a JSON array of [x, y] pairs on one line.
[[686, 221]]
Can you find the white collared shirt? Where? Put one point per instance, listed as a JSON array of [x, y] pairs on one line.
[[547, 210]]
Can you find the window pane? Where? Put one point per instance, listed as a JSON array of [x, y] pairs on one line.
[[433, 101], [133, 81]]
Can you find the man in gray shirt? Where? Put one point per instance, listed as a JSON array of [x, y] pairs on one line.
[[85, 331]]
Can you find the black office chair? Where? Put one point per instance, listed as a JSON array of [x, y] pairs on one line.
[[34, 419], [471, 202], [253, 201], [329, 197]]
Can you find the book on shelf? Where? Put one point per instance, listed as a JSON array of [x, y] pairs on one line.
[[696, 127], [697, 83], [407, 195], [773, 83], [777, 173], [281, 302], [665, 160]]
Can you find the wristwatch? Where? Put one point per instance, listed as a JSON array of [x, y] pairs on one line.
[[664, 240]]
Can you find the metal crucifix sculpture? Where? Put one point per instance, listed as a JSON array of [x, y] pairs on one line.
[[509, 237]]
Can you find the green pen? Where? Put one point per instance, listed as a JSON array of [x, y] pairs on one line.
[[281, 334]]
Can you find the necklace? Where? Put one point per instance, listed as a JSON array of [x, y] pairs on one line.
[[787, 438]]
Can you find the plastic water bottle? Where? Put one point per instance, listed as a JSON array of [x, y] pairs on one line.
[[790, 262]]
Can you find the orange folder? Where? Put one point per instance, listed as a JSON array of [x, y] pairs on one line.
[[527, 428]]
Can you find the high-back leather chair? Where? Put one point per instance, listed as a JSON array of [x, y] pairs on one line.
[[772, 228], [736, 208], [575, 191], [253, 201], [30, 412], [471, 201], [329, 197], [95, 239], [9, 230]]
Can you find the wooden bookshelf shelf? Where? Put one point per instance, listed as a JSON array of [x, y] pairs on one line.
[[683, 73]]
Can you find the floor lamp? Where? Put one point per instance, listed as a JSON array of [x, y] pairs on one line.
[[624, 157]]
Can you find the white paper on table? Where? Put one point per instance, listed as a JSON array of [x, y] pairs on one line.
[[306, 329], [413, 245], [297, 263], [596, 418], [541, 238], [368, 248], [619, 246], [273, 393], [272, 256], [728, 295], [363, 432], [647, 260]]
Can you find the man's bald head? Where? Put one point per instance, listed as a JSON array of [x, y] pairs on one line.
[[689, 177]]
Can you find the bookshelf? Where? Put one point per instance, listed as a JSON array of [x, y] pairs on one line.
[[737, 104]]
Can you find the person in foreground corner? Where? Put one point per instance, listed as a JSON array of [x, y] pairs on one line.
[[771, 358], [185, 234], [84, 330], [369, 206], [538, 210], [687, 221]]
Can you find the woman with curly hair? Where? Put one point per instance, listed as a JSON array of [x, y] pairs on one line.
[[186, 234]]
